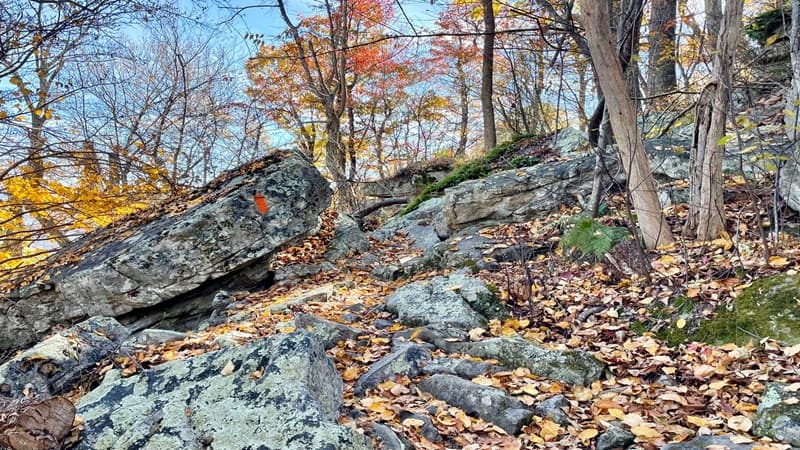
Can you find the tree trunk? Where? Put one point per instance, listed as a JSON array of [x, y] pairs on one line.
[[628, 31], [463, 93], [713, 10], [706, 213], [661, 76], [487, 77], [792, 119], [654, 227]]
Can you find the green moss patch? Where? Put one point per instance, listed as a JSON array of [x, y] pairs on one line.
[[471, 170], [663, 320], [769, 308]]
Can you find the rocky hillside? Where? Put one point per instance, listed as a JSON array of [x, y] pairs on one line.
[[479, 320]]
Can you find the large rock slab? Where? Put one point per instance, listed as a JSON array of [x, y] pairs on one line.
[[456, 300], [54, 365], [488, 403], [200, 402], [777, 416], [218, 241], [519, 194], [569, 366]]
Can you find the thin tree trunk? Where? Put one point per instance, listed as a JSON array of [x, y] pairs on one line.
[[653, 225], [661, 76], [706, 210], [463, 91], [487, 77]]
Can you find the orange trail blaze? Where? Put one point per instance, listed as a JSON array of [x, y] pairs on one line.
[[261, 203]]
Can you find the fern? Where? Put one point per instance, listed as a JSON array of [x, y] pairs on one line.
[[592, 240]]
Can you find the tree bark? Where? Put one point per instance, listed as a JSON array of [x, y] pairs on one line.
[[792, 120], [661, 76], [706, 210], [463, 93], [487, 77], [654, 227]]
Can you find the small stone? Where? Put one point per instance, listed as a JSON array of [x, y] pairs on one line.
[[615, 437], [382, 323], [388, 438], [408, 361], [553, 409], [154, 336], [428, 430], [349, 318]]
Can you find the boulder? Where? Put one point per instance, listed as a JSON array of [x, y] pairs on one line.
[[330, 333], [766, 309], [56, 364], [179, 255], [347, 239], [266, 394], [569, 366], [456, 300], [407, 360], [778, 417], [418, 225], [488, 403], [518, 195]]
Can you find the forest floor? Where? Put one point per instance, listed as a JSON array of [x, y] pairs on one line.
[[571, 304]]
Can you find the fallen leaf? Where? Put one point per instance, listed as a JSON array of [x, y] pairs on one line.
[[740, 423]]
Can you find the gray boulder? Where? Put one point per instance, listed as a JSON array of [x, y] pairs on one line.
[[54, 365], [407, 360], [177, 257], [519, 194], [777, 418], [330, 333], [488, 403], [418, 225], [569, 366], [347, 239], [281, 392], [456, 300]]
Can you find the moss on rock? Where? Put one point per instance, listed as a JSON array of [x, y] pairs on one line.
[[766, 309]]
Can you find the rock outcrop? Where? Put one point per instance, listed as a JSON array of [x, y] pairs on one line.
[[175, 262], [281, 392], [54, 365], [456, 300], [518, 194]]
